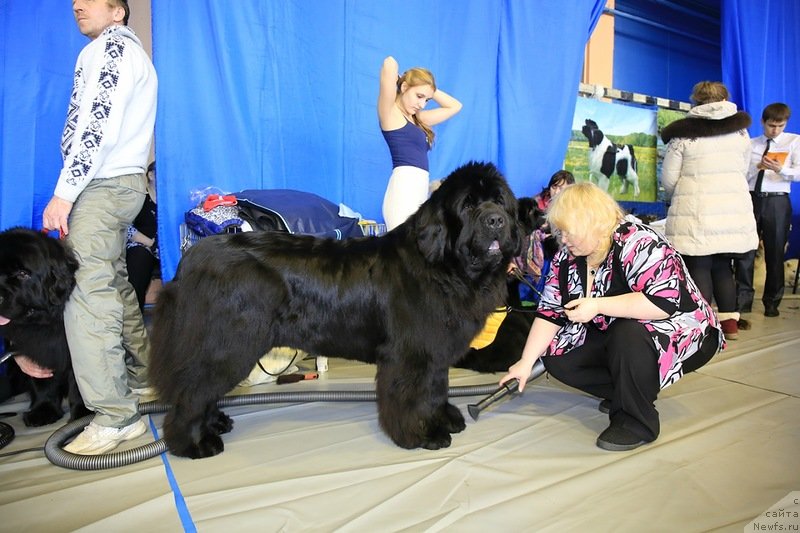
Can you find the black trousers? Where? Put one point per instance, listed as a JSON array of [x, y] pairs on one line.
[[713, 275], [773, 218], [141, 266], [621, 364]]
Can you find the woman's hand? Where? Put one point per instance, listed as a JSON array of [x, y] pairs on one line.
[[582, 310], [521, 370], [141, 238], [27, 365]]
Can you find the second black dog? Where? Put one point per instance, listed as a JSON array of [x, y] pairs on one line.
[[37, 276]]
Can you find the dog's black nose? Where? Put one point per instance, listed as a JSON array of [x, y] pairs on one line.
[[494, 221]]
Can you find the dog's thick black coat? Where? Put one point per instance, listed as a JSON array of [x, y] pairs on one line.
[[409, 301], [37, 275], [506, 348]]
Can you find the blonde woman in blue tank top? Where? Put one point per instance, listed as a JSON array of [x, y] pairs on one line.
[[406, 127]]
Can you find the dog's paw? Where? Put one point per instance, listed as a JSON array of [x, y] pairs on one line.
[[436, 439], [222, 424], [42, 415], [453, 419], [208, 446]]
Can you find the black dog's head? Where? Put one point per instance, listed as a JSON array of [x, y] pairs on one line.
[[471, 219], [592, 132], [37, 275], [530, 216]]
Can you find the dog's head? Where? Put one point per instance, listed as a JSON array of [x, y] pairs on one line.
[[529, 215], [592, 132], [470, 221], [37, 275]]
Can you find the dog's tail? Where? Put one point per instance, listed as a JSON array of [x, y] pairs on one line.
[[634, 163]]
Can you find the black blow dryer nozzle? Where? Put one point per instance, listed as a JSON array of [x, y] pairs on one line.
[[504, 390]]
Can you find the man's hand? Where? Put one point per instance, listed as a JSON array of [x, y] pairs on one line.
[[27, 365], [771, 164], [56, 214]]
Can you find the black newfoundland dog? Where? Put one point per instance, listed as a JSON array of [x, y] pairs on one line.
[[409, 301], [37, 275], [507, 346]]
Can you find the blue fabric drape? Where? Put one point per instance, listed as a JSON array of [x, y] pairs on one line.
[[39, 44], [270, 94], [282, 94], [761, 65]]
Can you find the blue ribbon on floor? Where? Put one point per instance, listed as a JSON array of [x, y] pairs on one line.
[[180, 503]]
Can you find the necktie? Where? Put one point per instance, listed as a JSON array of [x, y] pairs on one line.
[[760, 176]]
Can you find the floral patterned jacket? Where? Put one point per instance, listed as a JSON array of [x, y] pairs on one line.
[[640, 260]]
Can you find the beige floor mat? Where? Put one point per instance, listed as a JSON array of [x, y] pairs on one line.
[[728, 451]]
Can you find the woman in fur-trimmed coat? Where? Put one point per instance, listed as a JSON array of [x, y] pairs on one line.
[[710, 218]]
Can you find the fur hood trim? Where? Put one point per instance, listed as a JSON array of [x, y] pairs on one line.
[[692, 127]]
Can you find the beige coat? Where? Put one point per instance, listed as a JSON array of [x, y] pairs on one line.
[[704, 178]]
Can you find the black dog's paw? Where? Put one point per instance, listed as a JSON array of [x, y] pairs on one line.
[[221, 424], [42, 415], [208, 446], [453, 419], [436, 439]]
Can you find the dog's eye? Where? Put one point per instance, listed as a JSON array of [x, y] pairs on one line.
[[22, 274]]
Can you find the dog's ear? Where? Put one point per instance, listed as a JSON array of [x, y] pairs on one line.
[[431, 232], [60, 279], [528, 215]]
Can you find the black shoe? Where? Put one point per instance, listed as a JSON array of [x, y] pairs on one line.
[[771, 311], [618, 439], [605, 406]]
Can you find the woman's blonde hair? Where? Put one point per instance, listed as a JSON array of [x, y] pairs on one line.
[[706, 92], [414, 77], [584, 210]]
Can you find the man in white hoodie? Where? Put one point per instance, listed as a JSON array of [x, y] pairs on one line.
[[101, 188]]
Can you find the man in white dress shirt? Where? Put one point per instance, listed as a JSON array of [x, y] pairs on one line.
[[774, 165]]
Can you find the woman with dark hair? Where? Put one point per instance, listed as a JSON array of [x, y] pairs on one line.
[[558, 181], [142, 245], [538, 245], [406, 127]]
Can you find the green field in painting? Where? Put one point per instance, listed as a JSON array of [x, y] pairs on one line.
[[577, 162]]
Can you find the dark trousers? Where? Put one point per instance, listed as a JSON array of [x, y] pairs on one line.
[[773, 218], [713, 275], [141, 265], [621, 364]]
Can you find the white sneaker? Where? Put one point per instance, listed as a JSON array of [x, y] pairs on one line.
[[96, 439]]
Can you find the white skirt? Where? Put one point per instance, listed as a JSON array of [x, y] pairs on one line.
[[407, 190]]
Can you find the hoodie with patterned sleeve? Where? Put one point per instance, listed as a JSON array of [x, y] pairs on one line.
[[111, 112]]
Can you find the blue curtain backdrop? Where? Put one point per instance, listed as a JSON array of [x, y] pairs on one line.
[[39, 44], [282, 94], [761, 65], [267, 94]]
